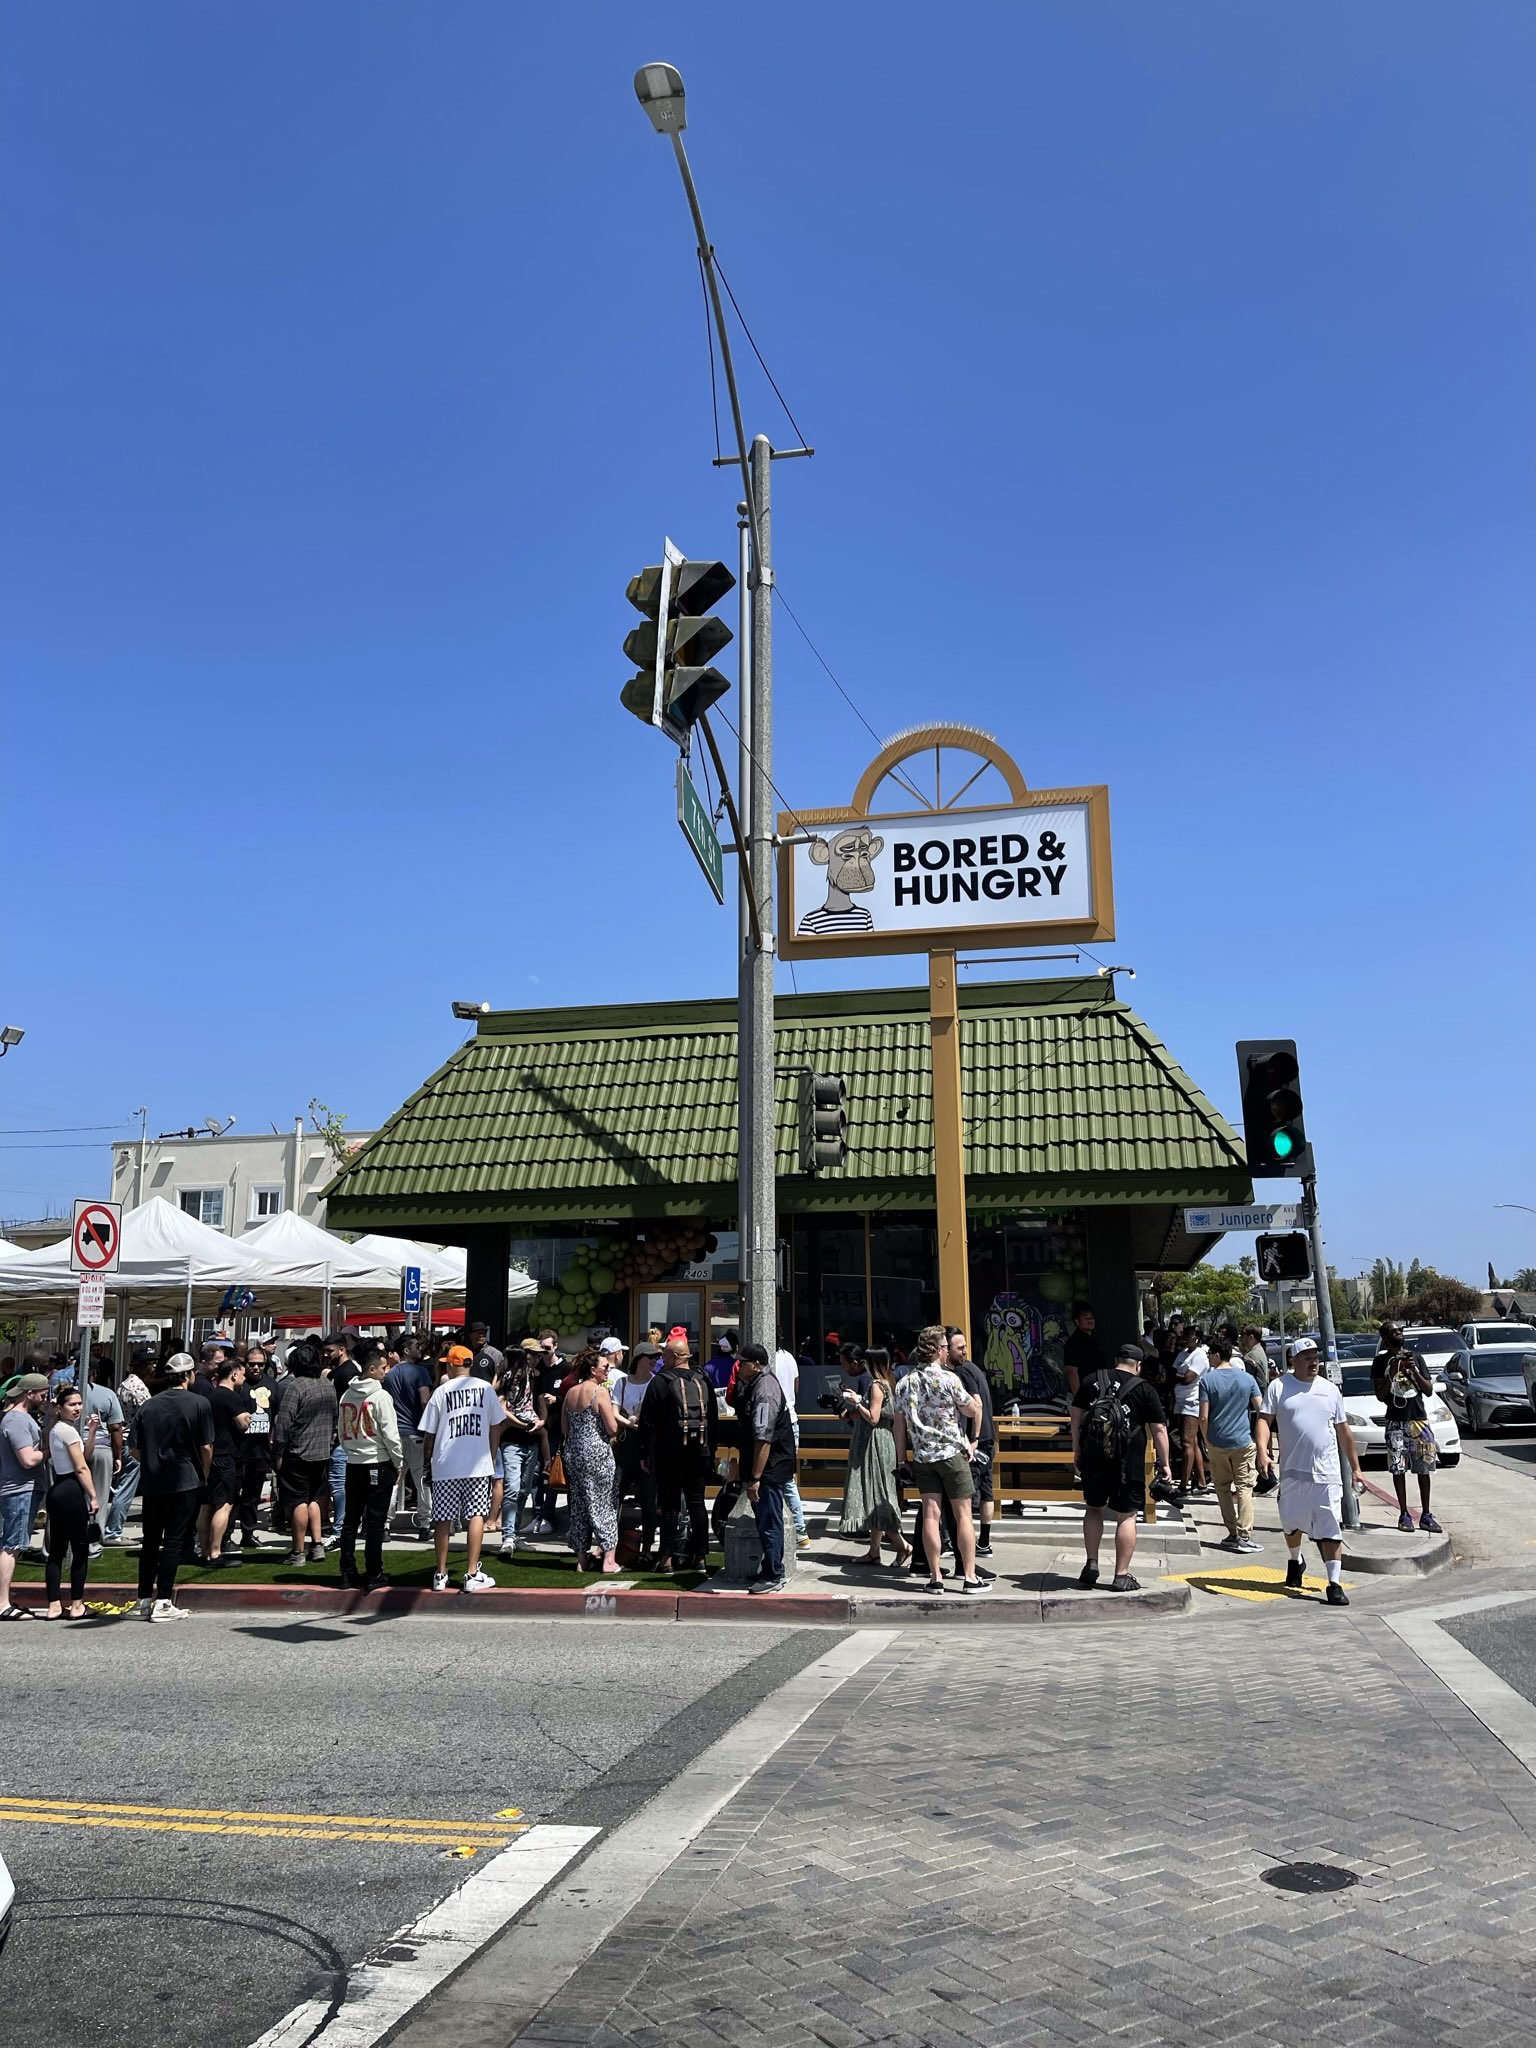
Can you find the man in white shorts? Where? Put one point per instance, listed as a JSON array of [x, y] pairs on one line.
[[461, 1429], [1308, 1414]]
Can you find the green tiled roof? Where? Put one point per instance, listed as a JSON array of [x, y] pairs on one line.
[[581, 1114]]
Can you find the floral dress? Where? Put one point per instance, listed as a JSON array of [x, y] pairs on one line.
[[588, 1456], [870, 1500]]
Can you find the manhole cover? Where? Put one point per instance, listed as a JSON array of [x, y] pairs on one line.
[[1311, 1877]]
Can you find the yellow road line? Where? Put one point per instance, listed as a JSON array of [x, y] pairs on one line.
[[447, 1839], [1247, 1582], [457, 1828]]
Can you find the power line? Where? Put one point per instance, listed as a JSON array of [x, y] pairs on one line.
[[896, 775], [746, 330], [709, 336], [57, 1130]]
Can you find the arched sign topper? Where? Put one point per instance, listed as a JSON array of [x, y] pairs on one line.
[[972, 858]]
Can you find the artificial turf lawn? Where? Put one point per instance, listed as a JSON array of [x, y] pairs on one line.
[[413, 1568]]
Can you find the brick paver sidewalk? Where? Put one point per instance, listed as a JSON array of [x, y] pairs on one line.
[[1059, 1838]]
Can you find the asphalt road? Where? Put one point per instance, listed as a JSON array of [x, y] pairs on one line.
[[1504, 1638], [135, 1929]]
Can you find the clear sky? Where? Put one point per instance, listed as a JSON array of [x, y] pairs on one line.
[[1169, 372]]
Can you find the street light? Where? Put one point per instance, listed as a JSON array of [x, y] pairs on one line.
[[11, 1035], [659, 89]]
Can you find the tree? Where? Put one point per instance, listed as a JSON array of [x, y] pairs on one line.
[[1206, 1294], [1525, 1280], [332, 1126], [1438, 1298], [1389, 1283]]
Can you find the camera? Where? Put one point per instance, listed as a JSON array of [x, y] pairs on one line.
[[831, 1397], [1163, 1489]]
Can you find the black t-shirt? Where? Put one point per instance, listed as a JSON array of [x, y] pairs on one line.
[[974, 1380], [227, 1403], [172, 1426], [1083, 1354], [1409, 1405], [1142, 1406]]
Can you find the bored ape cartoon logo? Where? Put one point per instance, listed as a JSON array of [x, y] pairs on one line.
[[849, 858]]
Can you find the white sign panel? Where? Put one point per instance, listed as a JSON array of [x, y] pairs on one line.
[[895, 883], [91, 1311], [1281, 1216], [96, 1237]]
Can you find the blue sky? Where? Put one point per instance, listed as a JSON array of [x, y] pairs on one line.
[[1168, 369]]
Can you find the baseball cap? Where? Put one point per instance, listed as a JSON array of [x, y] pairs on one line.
[[178, 1364], [1301, 1346], [458, 1354], [1131, 1353], [530, 1344], [30, 1383], [610, 1345], [646, 1350]]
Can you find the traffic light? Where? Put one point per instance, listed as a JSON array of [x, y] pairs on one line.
[[1273, 1127], [1284, 1258], [675, 648], [823, 1122]]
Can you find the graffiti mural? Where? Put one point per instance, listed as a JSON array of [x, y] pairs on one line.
[[1016, 1359]]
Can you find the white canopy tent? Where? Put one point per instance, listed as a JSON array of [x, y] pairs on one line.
[[165, 1253]]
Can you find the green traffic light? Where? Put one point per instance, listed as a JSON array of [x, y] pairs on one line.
[[1284, 1144]]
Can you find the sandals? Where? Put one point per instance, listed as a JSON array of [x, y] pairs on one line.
[[18, 1614]]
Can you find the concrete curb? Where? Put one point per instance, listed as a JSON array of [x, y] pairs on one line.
[[1054, 1602], [1396, 1554]]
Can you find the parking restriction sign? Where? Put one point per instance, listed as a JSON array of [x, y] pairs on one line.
[[91, 1312], [95, 1240]]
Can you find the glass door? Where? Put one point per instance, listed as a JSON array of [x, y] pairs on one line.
[[668, 1308]]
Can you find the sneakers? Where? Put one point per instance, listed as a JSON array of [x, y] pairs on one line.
[[1122, 1582], [934, 1586], [1336, 1595], [167, 1610], [295, 1557], [508, 1549], [975, 1585], [802, 1541], [93, 1550], [1088, 1577], [377, 1583], [143, 1610], [1405, 1522], [1230, 1543], [439, 1582], [317, 1553], [984, 1549], [1248, 1546], [773, 1585], [1295, 1572], [542, 1528], [479, 1582], [1427, 1521]]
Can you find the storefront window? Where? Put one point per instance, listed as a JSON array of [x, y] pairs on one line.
[[831, 1283], [1025, 1271], [903, 1277]]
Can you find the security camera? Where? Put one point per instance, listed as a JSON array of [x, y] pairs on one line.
[[468, 1011]]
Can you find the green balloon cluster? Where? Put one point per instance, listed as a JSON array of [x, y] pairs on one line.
[[573, 1299]]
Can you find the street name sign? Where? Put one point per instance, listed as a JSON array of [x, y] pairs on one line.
[[96, 1237], [410, 1290], [699, 831], [1276, 1216], [91, 1311]]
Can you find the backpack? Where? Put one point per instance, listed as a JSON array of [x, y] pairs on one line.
[[1106, 1432], [693, 1407]]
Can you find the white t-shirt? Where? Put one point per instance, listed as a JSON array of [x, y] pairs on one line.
[[786, 1370], [630, 1393], [1306, 1415], [459, 1417], [1186, 1395], [60, 1437]]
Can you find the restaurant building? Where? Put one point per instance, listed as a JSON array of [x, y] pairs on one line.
[[597, 1147]]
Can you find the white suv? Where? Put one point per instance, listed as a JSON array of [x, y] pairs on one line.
[[1494, 1332]]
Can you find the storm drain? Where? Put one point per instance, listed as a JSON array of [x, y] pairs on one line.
[[1311, 1877]]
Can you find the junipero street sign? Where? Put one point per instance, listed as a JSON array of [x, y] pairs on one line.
[[699, 831], [1031, 870]]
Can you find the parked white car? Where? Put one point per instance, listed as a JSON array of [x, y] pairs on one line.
[[1493, 1331], [7, 1903], [1435, 1346], [1367, 1417]]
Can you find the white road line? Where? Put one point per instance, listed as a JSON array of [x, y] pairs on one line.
[[1504, 1712], [505, 1989], [388, 1984]]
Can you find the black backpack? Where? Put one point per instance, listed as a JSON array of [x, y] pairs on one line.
[[1106, 1431], [693, 1402]]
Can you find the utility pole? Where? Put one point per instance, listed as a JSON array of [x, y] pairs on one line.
[[759, 1235], [659, 89], [1314, 1222]]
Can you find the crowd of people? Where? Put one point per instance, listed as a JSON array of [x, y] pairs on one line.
[[323, 1447]]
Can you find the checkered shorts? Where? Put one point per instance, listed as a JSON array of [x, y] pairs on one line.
[[455, 1500]]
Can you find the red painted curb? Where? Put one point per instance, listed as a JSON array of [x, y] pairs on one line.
[[764, 1607]]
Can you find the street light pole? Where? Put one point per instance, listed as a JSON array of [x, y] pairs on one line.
[[659, 89]]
